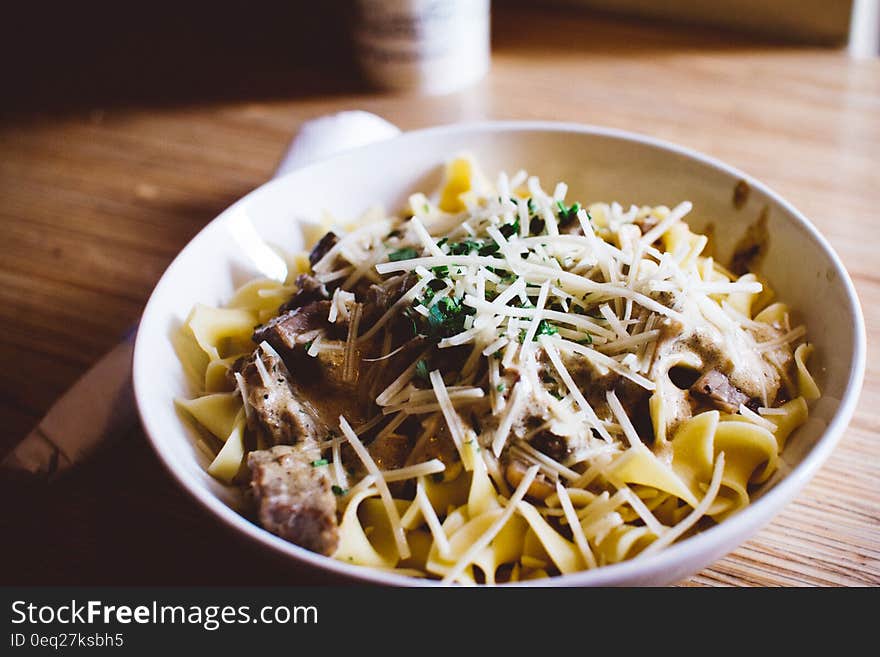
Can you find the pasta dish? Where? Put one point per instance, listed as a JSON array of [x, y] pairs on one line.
[[498, 384]]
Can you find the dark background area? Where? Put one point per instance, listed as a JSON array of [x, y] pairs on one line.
[[115, 506], [62, 57], [67, 56]]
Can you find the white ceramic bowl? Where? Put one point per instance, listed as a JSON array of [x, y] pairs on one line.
[[597, 164]]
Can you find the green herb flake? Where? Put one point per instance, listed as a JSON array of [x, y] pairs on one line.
[[407, 253], [319, 463], [339, 490], [436, 285], [503, 274], [488, 249], [500, 387], [413, 317], [536, 225], [567, 214], [422, 370], [446, 317], [466, 247], [546, 328], [441, 271], [508, 230], [586, 340]]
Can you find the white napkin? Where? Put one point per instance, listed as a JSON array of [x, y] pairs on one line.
[[101, 403]]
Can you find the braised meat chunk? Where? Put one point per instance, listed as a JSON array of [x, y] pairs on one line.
[[309, 290], [295, 500], [322, 247], [279, 412], [295, 327], [380, 298], [716, 387]]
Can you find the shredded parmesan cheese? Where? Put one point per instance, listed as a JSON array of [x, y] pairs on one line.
[[393, 515], [453, 421]]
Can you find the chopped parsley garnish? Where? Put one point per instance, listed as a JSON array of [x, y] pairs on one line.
[[422, 370], [469, 245], [488, 249], [465, 247], [308, 345], [567, 214], [586, 340], [500, 387], [440, 272], [319, 463], [446, 317], [506, 276], [509, 229], [407, 253], [546, 328], [412, 316], [432, 288], [338, 490], [536, 225], [436, 285]]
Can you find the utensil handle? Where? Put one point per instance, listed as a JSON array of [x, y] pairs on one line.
[[100, 404]]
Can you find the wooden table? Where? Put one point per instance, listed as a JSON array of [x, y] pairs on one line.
[[98, 193]]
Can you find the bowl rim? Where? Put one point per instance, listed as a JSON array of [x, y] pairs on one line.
[[711, 541]]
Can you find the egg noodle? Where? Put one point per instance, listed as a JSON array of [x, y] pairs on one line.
[[572, 386]]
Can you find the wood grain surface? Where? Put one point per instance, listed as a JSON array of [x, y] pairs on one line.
[[99, 191]]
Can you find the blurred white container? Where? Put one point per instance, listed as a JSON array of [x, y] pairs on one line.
[[428, 46], [864, 29]]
